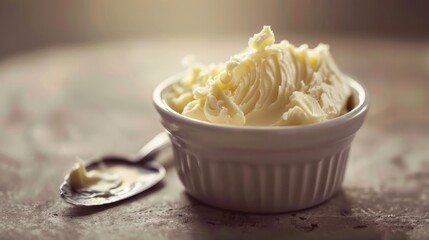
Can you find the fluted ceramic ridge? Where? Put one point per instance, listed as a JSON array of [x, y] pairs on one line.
[[261, 187]]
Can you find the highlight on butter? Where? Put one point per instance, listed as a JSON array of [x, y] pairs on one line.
[[268, 84]]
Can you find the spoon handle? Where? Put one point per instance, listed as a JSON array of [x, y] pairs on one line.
[[153, 147]]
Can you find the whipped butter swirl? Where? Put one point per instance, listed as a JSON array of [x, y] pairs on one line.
[[268, 84]]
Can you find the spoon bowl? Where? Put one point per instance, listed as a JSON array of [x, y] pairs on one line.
[[149, 173]]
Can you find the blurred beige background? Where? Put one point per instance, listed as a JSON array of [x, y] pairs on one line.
[[27, 25]]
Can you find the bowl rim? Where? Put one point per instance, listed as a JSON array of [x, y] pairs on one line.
[[361, 108]]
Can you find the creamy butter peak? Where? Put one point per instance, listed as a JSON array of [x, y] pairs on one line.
[[92, 181], [268, 84]]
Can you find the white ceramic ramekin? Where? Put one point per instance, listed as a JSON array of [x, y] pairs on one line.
[[261, 169]]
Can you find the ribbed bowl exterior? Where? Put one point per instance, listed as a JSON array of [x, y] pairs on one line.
[[261, 169], [261, 187]]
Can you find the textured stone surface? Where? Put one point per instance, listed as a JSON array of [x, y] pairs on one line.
[[88, 100]]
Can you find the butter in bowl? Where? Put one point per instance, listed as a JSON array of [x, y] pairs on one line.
[[267, 131]]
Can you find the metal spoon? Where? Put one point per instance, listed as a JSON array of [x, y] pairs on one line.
[[151, 173]]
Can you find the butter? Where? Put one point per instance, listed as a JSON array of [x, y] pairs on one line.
[[268, 84], [92, 181]]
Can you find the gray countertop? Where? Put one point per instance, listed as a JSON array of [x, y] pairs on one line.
[[88, 100]]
